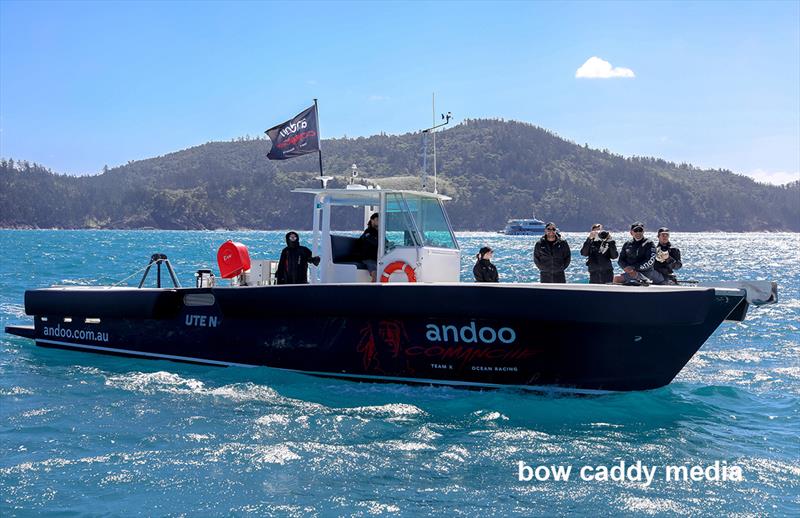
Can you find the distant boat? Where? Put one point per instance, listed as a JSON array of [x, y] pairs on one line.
[[524, 227]]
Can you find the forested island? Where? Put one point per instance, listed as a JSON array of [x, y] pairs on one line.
[[493, 169]]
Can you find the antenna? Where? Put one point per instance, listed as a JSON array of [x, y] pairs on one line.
[[424, 179], [324, 180], [433, 110], [446, 118]]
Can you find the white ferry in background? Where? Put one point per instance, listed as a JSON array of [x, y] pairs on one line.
[[524, 227]]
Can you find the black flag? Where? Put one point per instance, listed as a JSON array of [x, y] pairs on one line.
[[295, 137]]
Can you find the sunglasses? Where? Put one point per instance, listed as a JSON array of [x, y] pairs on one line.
[[550, 229], [638, 229]]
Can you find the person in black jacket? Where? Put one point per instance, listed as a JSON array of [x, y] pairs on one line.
[[668, 257], [637, 259], [551, 255], [600, 249], [293, 264], [368, 245], [484, 270]]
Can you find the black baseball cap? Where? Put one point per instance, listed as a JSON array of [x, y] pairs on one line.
[[664, 230], [636, 225]]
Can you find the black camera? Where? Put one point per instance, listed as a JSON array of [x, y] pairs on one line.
[[603, 234]]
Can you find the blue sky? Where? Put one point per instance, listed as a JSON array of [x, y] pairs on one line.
[[716, 84]]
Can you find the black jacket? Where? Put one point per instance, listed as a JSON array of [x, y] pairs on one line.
[[639, 254], [551, 256], [485, 271], [368, 244], [672, 263], [293, 265], [596, 261]]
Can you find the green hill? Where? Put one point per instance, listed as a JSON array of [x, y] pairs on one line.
[[493, 169]]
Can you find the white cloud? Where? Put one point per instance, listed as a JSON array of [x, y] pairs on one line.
[[774, 177], [596, 68], [376, 98]]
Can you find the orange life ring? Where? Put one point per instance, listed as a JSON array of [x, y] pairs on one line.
[[399, 265]]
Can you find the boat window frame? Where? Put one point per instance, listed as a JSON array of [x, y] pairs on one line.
[[409, 220], [421, 234]]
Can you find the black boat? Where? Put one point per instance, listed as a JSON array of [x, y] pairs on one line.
[[418, 324]]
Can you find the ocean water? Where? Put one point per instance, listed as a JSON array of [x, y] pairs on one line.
[[85, 434]]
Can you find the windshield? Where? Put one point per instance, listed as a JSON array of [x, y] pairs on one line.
[[399, 228], [431, 222]]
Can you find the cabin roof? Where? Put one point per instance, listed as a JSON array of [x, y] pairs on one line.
[[362, 195]]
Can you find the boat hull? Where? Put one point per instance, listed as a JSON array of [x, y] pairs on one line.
[[577, 337]]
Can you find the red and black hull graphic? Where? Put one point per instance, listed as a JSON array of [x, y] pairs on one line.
[[585, 338]]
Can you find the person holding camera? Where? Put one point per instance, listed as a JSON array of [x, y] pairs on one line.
[[668, 257], [484, 270], [599, 249], [551, 255]]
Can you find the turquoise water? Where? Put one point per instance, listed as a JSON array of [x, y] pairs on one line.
[[84, 434]]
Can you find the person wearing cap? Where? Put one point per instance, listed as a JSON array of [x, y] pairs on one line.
[[637, 258], [293, 264], [599, 249], [552, 255], [668, 257], [484, 270]]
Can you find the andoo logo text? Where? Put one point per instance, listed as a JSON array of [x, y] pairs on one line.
[[293, 128], [469, 334], [79, 334]]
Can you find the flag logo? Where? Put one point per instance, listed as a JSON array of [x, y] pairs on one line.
[[296, 137]]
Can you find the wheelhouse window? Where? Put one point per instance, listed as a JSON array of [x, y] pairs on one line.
[[399, 226], [431, 221]]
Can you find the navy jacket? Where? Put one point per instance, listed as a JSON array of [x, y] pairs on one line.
[[293, 265], [672, 263], [641, 255], [551, 257], [485, 271], [368, 244], [596, 261]]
